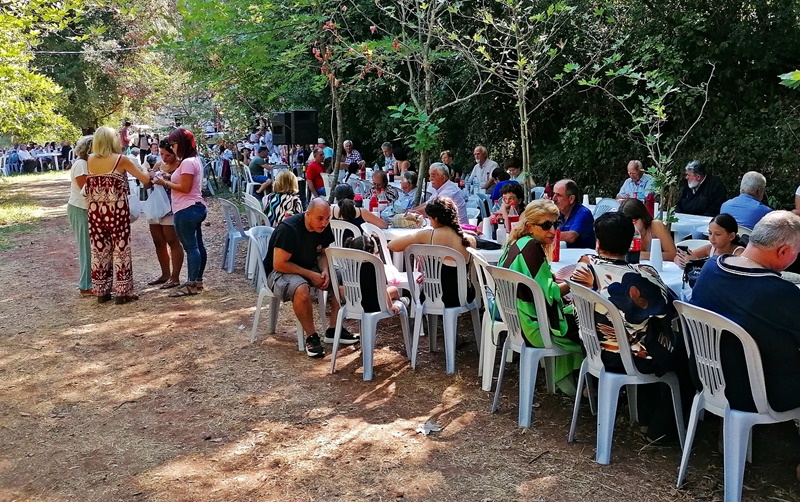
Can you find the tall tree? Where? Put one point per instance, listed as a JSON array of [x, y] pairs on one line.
[[29, 101]]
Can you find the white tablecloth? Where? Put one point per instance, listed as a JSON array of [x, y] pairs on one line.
[[391, 233], [687, 223]]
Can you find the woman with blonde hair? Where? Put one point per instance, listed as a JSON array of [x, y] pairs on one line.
[[528, 251], [110, 217], [284, 200], [78, 214]]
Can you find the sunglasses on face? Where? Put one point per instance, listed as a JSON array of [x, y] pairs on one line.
[[547, 225]]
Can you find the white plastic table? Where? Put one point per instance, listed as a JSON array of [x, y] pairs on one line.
[[54, 155], [687, 223], [391, 233]]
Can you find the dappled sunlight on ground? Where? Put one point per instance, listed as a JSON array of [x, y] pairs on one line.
[[165, 399]]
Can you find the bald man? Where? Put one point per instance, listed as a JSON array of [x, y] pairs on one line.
[[296, 268]]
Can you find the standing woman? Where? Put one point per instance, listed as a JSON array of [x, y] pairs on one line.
[[188, 207], [163, 229], [110, 217], [78, 214]]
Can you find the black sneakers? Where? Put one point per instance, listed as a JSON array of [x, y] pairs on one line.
[[314, 346], [346, 338]]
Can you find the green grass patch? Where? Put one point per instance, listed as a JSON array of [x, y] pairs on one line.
[[18, 211], [9, 232]]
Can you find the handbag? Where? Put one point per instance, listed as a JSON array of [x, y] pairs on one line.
[[692, 271]]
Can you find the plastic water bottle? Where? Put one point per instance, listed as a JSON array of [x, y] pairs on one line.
[[383, 202], [501, 233], [476, 186]]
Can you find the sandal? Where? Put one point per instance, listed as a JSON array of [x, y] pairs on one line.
[[121, 300], [156, 282], [198, 285], [184, 290], [170, 285]]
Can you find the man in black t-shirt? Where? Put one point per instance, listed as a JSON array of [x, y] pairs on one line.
[[295, 264]]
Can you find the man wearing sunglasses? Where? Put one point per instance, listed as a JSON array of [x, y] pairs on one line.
[[577, 222]]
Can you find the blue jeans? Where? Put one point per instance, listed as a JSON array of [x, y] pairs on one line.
[[188, 226]]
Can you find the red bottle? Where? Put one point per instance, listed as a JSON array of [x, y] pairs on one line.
[[373, 203], [358, 200], [513, 217], [557, 249], [650, 203], [363, 173], [548, 190]]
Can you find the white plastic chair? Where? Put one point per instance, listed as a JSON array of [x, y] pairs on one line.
[[431, 259], [339, 228], [702, 330], [605, 206], [349, 262], [236, 234], [4, 166], [394, 276], [586, 302], [693, 244], [490, 327], [744, 230], [260, 237], [255, 217], [247, 179], [507, 283]]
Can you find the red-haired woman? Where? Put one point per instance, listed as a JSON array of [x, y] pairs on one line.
[[188, 207]]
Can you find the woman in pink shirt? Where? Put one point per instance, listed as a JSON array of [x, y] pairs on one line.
[[188, 208]]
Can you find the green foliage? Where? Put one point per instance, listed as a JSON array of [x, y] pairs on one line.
[[422, 131], [29, 101], [791, 79]]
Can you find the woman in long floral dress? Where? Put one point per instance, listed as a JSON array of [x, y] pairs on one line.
[[109, 217]]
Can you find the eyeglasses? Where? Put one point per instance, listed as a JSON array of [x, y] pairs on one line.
[[547, 225]]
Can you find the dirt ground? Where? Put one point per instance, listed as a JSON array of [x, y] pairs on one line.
[[165, 399]]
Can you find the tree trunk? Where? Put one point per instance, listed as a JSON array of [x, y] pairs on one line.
[[336, 104]]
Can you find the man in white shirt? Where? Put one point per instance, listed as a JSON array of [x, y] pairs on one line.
[[441, 186], [638, 184], [483, 169], [29, 164]]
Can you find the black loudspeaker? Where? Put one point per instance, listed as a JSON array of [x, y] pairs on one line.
[[281, 124], [305, 129]]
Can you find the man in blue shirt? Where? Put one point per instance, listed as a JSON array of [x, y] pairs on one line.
[[748, 290], [326, 150], [746, 208], [576, 221]]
